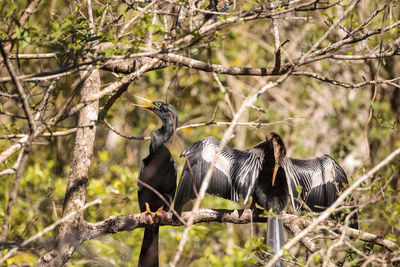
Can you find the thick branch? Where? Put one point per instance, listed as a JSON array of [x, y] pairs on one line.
[[293, 223], [128, 66], [221, 69], [30, 9]]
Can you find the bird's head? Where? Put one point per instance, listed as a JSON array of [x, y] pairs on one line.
[[166, 112], [279, 151]]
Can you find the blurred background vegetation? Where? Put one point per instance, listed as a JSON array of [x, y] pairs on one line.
[[312, 116]]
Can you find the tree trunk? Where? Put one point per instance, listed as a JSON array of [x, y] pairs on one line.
[[68, 238]]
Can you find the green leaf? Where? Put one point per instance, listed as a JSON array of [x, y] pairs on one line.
[[317, 258]]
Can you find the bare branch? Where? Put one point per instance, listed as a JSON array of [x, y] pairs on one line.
[[51, 134], [33, 56], [109, 126], [344, 84], [39, 77], [293, 223], [28, 12], [250, 124], [126, 25], [221, 69]]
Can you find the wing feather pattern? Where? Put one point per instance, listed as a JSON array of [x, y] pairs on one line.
[[321, 179], [234, 175]]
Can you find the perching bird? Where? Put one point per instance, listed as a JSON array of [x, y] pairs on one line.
[[158, 170], [256, 172]]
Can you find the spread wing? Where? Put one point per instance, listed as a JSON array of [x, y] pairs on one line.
[[234, 175], [319, 181]]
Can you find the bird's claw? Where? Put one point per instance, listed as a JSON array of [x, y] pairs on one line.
[[147, 217], [160, 215]]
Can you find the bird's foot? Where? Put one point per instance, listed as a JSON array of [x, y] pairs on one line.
[[147, 216], [160, 209], [160, 215]]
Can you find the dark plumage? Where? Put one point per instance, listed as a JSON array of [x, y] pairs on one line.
[[256, 172], [157, 170]]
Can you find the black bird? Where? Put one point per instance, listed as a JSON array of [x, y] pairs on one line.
[[256, 172], [158, 170]]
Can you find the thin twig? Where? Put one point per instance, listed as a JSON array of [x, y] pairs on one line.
[[109, 126]]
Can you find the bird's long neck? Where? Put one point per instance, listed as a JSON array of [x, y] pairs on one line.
[[279, 151], [160, 136]]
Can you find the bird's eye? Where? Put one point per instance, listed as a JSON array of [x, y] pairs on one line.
[[158, 104]]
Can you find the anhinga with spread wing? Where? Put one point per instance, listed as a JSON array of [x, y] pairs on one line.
[[257, 172], [157, 174]]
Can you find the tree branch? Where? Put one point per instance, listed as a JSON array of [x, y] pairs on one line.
[[293, 223], [221, 69]]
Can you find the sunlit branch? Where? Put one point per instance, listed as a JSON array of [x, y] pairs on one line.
[[293, 223], [345, 84]]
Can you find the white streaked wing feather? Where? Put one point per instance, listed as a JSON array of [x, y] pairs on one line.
[[309, 174], [223, 163], [324, 175], [249, 171], [242, 174]]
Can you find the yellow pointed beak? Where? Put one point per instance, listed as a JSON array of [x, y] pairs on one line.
[[142, 106], [276, 167]]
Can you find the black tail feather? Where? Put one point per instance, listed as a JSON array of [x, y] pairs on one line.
[[149, 251], [275, 237]]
